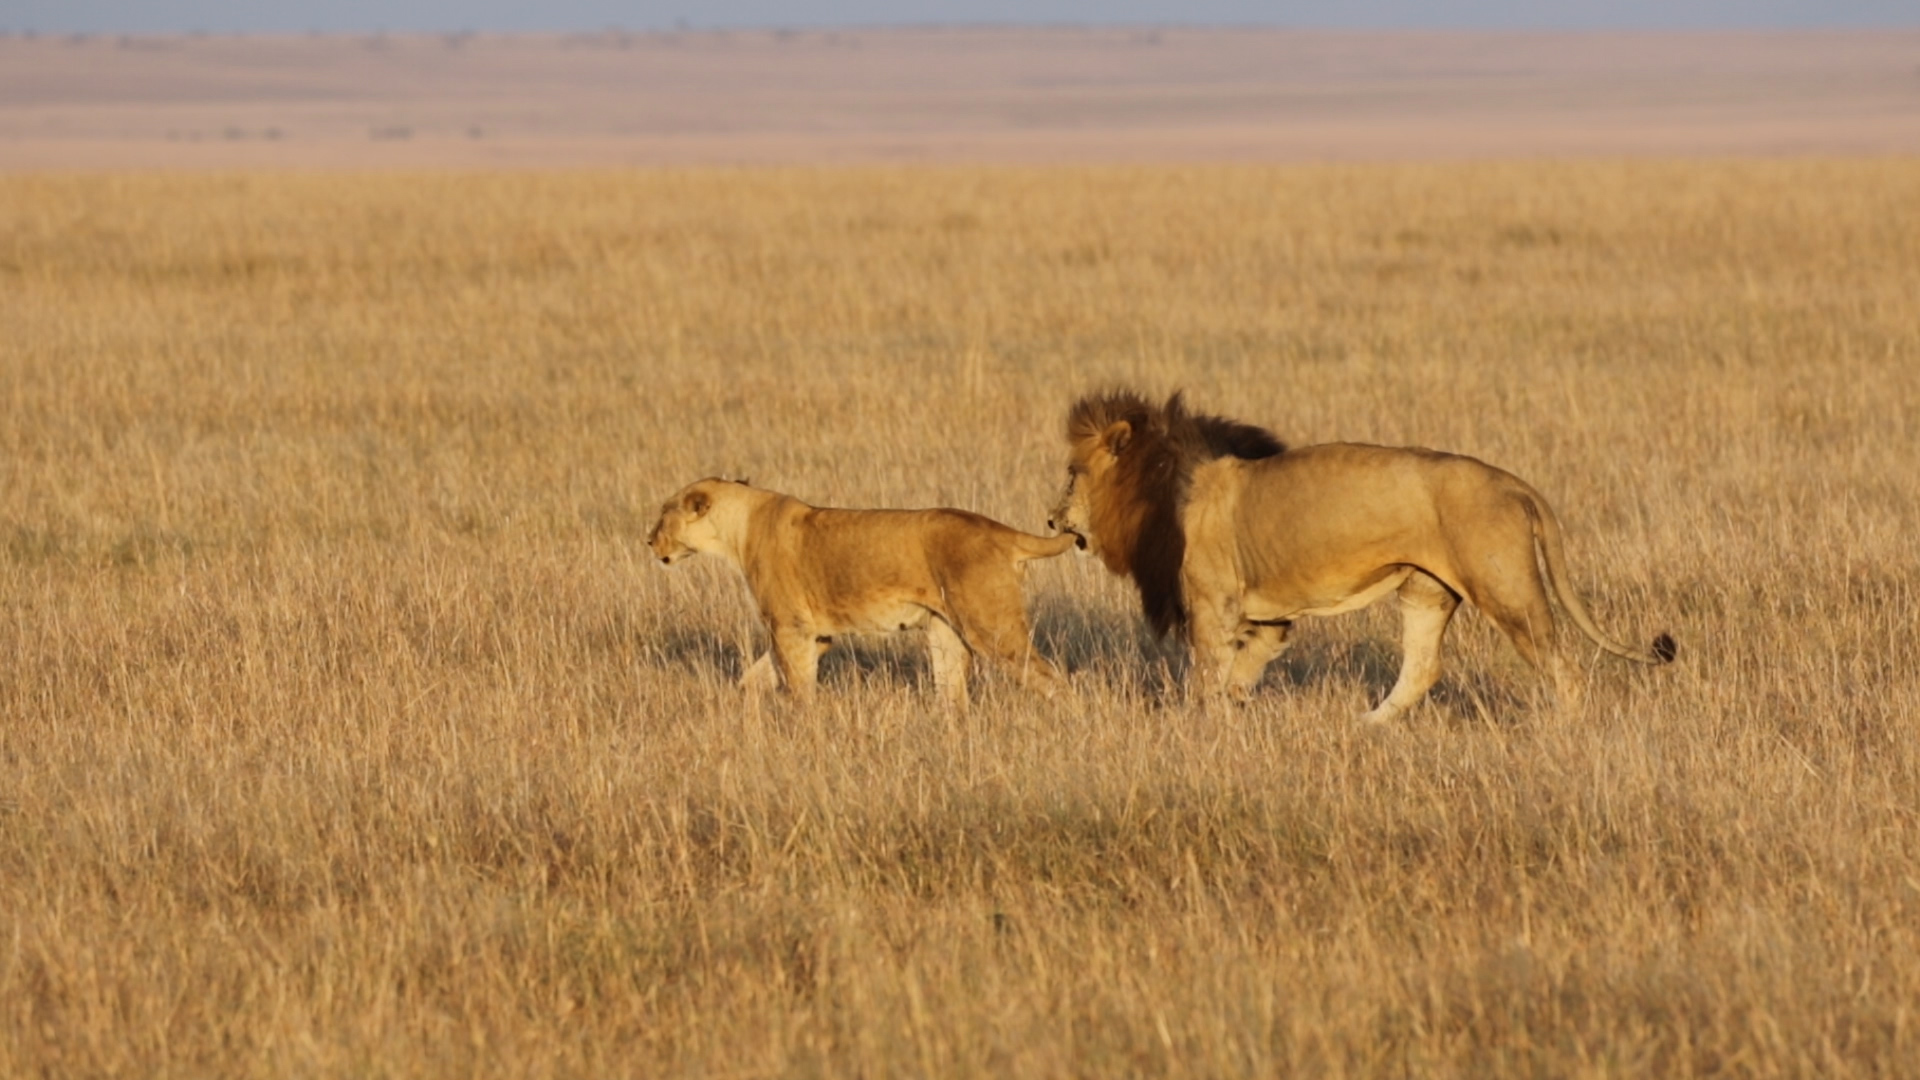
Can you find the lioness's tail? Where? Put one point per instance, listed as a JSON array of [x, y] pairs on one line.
[[1546, 532], [1028, 546]]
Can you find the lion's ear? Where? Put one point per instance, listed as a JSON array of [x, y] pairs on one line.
[[1117, 436], [697, 503]]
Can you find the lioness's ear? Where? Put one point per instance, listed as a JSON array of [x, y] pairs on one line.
[[1117, 436], [697, 503]]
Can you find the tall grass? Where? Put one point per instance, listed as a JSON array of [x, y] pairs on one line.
[[346, 728]]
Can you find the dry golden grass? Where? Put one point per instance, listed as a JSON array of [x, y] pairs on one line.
[[346, 730]]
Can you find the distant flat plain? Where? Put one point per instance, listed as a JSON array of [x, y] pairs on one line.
[[946, 95]]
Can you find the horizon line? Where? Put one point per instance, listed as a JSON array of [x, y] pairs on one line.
[[686, 27]]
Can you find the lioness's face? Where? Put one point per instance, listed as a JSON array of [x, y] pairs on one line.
[[685, 527]]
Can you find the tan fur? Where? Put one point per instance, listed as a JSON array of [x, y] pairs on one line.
[[1323, 530], [817, 572]]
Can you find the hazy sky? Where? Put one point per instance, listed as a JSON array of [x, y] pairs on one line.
[[228, 16]]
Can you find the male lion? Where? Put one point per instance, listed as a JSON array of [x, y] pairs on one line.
[[1232, 537], [816, 572]]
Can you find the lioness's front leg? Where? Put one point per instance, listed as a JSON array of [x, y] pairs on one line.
[[950, 662], [797, 651], [761, 675]]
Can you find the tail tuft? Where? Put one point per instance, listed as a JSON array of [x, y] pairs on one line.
[[1664, 650]]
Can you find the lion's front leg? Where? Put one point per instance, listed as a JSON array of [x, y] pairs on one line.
[[1255, 645], [1211, 635]]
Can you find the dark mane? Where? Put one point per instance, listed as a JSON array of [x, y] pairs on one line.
[[1137, 514]]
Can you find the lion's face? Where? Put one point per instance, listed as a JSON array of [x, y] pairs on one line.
[[685, 526], [1072, 513], [1090, 465], [1086, 507]]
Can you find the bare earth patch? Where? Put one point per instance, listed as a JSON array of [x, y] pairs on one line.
[[947, 95]]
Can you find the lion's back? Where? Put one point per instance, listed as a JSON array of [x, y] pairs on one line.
[[1371, 478], [1365, 502]]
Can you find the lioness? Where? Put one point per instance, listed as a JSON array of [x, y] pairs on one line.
[[816, 572], [1232, 537]]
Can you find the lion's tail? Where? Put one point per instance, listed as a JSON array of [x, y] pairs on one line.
[[1028, 546], [1546, 532]]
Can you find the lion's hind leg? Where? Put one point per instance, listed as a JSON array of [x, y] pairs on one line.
[[1426, 608], [1518, 605]]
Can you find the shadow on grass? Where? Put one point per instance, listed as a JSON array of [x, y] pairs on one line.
[[854, 660], [1474, 698], [1113, 650], [691, 651], [1123, 653], [883, 659], [1466, 694], [1117, 653]]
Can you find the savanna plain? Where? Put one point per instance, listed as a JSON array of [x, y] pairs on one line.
[[348, 729]]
